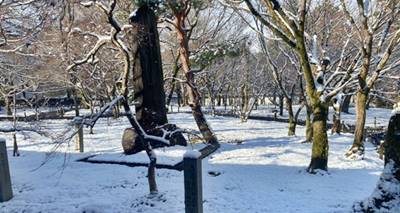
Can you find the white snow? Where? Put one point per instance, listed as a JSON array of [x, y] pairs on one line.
[[193, 154], [261, 170]]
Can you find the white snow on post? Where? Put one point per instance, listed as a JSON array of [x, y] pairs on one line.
[[193, 154]]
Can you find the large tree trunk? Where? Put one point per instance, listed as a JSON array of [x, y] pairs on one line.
[[149, 90], [320, 147], [148, 76], [357, 149], [148, 79], [319, 156]]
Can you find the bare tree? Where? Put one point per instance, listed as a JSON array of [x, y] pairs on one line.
[[377, 36], [291, 29], [184, 25]]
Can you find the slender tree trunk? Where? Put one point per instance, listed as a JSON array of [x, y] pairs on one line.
[[8, 106], [213, 110], [179, 97], [219, 100], [175, 74], [15, 147], [292, 122], [309, 127], [358, 143], [151, 171], [211, 102], [346, 104], [184, 98], [281, 105], [76, 103], [337, 124], [244, 103], [367, 105]]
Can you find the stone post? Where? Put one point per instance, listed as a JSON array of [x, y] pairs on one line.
[[193, 182], [5, 179]]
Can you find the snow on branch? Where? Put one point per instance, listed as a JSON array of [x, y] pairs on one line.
[[102, 40], [91, 121]]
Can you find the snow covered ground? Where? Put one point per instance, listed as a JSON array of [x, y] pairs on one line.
[[262, 170]]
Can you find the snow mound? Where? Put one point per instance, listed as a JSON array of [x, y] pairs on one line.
[[96, 208]]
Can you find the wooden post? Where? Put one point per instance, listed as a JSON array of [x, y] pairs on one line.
[[193, 182], [5, 179], [79, 136]]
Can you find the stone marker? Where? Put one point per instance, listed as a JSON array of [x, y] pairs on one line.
[[193, 182], [5, 180]]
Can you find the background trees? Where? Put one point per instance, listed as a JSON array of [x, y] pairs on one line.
[[312, 54], [377, 37]]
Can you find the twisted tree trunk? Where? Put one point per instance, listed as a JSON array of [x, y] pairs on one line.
[[193, 93]]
